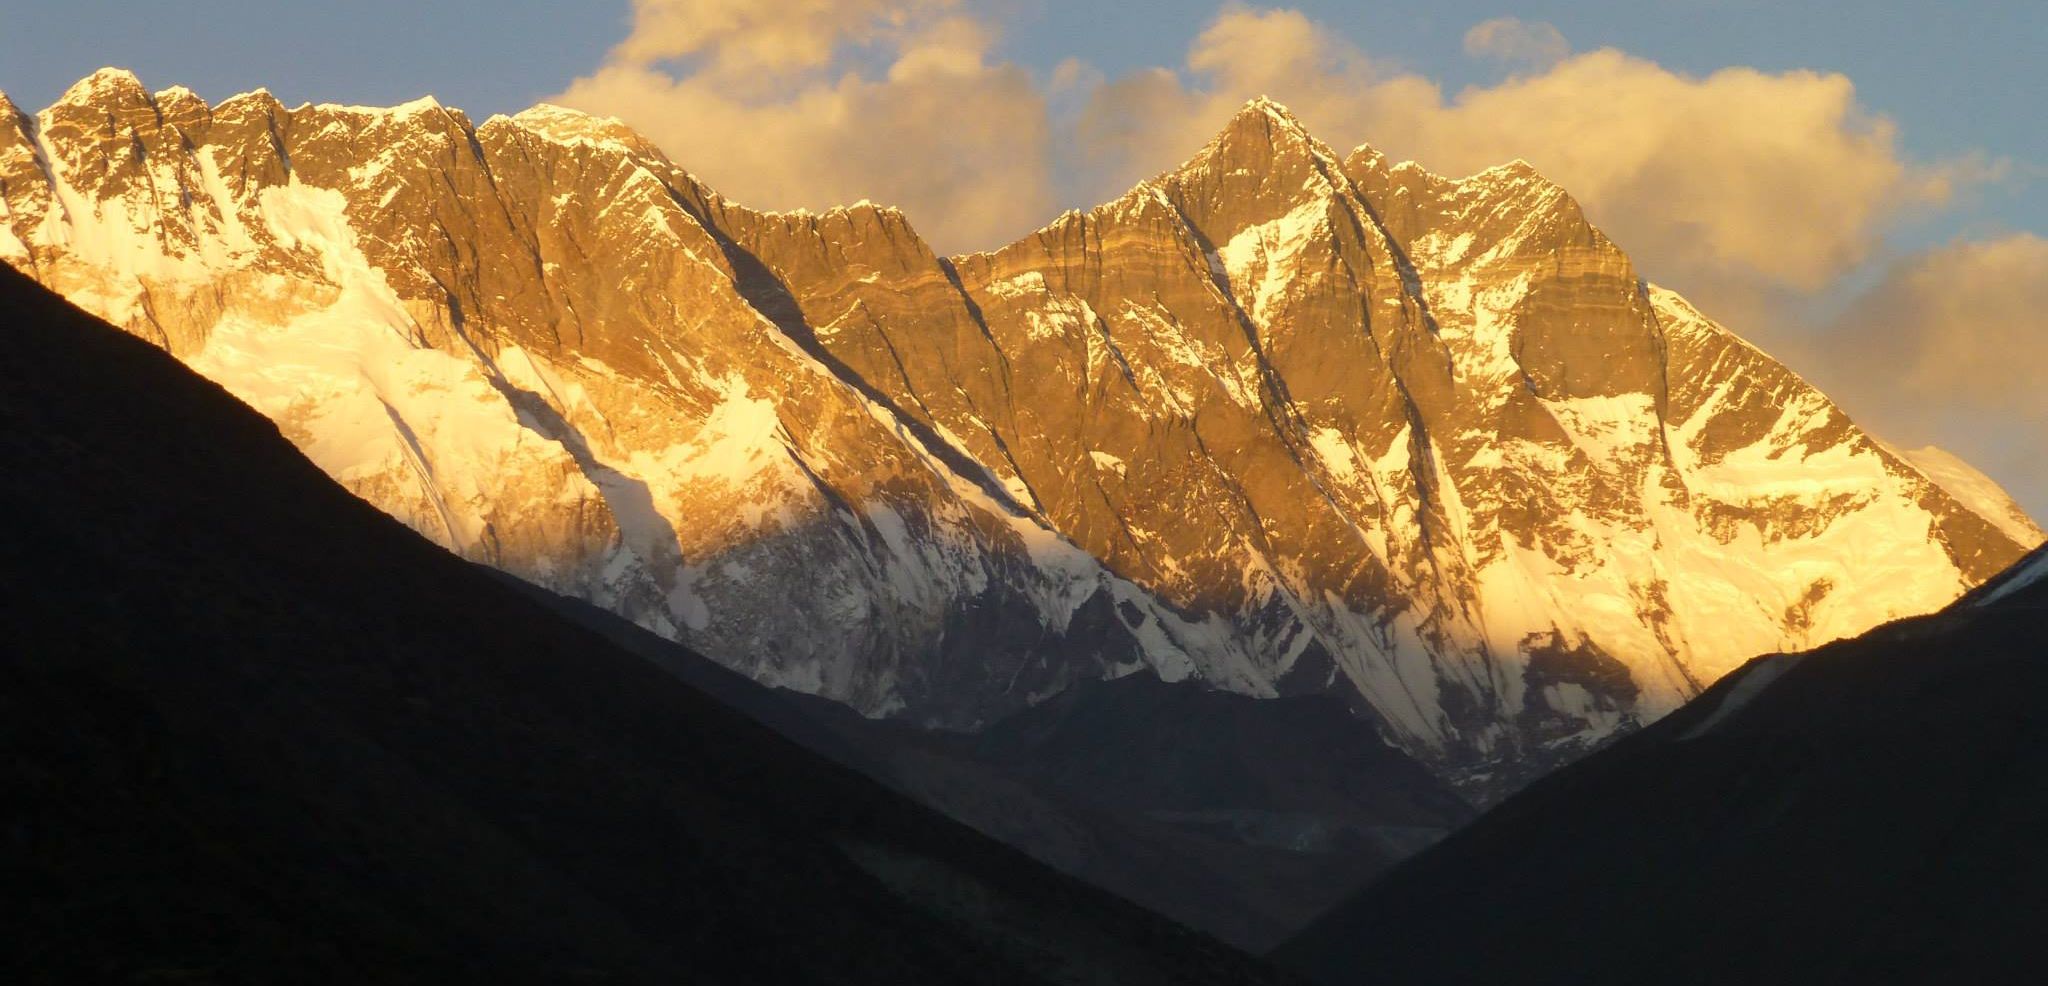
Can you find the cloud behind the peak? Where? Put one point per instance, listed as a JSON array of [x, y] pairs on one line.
[[1967, 321], [1777, 179], [1951, 345], [1732, 185], [812, 103]]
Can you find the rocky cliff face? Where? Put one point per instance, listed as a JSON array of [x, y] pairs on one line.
[[1280, 420]]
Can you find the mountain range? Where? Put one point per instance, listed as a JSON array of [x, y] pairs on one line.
[[821, 609], [347, 755], [1281, 421]]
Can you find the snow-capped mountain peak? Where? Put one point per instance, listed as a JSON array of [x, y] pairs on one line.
[[1276, 419]]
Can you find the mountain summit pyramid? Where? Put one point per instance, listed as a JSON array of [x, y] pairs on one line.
[[1278, 419]]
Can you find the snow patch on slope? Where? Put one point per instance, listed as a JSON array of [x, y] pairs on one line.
[[1262, 260], [11, 246], [1760, 675], [2028, 572], [370, 404], [1979, 492]]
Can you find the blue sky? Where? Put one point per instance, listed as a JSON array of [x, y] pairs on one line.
[[1865, 307]]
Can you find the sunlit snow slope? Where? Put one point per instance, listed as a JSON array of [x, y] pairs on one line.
[[1281, 420]]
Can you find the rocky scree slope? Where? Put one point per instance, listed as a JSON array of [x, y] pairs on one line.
[[1278, 420]]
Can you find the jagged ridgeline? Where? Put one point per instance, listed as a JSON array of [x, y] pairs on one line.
[[1278, 419]]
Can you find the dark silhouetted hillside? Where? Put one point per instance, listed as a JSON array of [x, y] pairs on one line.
[[252, 730], [1870, 812]]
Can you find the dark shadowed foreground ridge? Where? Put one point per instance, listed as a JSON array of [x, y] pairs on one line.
[[1868, 812]]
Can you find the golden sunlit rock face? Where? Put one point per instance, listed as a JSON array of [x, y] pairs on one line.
[[1277, 419]]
